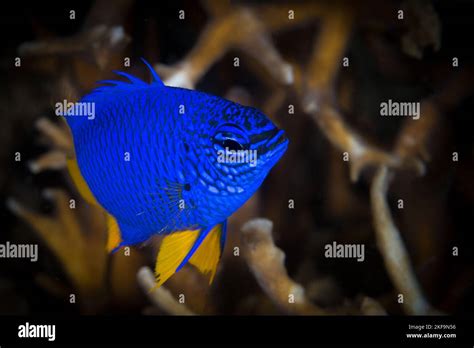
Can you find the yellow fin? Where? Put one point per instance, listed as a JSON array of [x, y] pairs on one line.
[[79, 181], [77, 178], [173, 250], [207, 256], [113, 233]]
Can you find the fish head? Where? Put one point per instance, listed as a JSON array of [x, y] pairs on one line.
[[244, 145], [247, 132]]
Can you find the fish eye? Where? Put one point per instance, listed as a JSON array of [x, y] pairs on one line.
[[230, 137], [232, 145]]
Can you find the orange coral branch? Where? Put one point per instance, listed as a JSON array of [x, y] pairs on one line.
[[276, 16], [397, 260], [328, 50], [360, 153], [223, 33], [317, 92], [100, 35], [412, 146], [82, 255], [61, 143], [369, 306]]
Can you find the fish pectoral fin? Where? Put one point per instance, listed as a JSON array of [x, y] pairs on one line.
[[113, 234], [207, 256], [173, 250]]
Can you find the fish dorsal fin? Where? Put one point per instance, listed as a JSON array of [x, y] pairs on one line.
[[133, 82], [156, 78]]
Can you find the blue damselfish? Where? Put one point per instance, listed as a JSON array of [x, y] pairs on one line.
[[172, 161]]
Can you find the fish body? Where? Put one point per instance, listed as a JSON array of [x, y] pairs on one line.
[[152, 156]]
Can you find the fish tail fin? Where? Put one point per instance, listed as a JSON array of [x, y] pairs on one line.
[[202, 248]]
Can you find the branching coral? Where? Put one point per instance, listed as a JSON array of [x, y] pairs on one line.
[[161, 297], [318, 101], [82, 255], [75, 233], [424, 28], [266, 262], [412, 143], [225, 32], [99, 37], [393, 249], [57, 135]]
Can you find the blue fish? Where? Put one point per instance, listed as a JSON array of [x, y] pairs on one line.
[[171, 161]]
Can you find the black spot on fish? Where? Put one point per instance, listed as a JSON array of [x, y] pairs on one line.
[[187, 187]]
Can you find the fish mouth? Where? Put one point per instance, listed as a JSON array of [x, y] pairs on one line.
[[277, 140], [277, 143]]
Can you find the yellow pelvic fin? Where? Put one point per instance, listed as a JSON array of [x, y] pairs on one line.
[[207, 256], [173, 250]]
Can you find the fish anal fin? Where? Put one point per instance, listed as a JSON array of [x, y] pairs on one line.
[[207, 256], [79, 181], [173, 250], [113, 230], [113, 234]]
